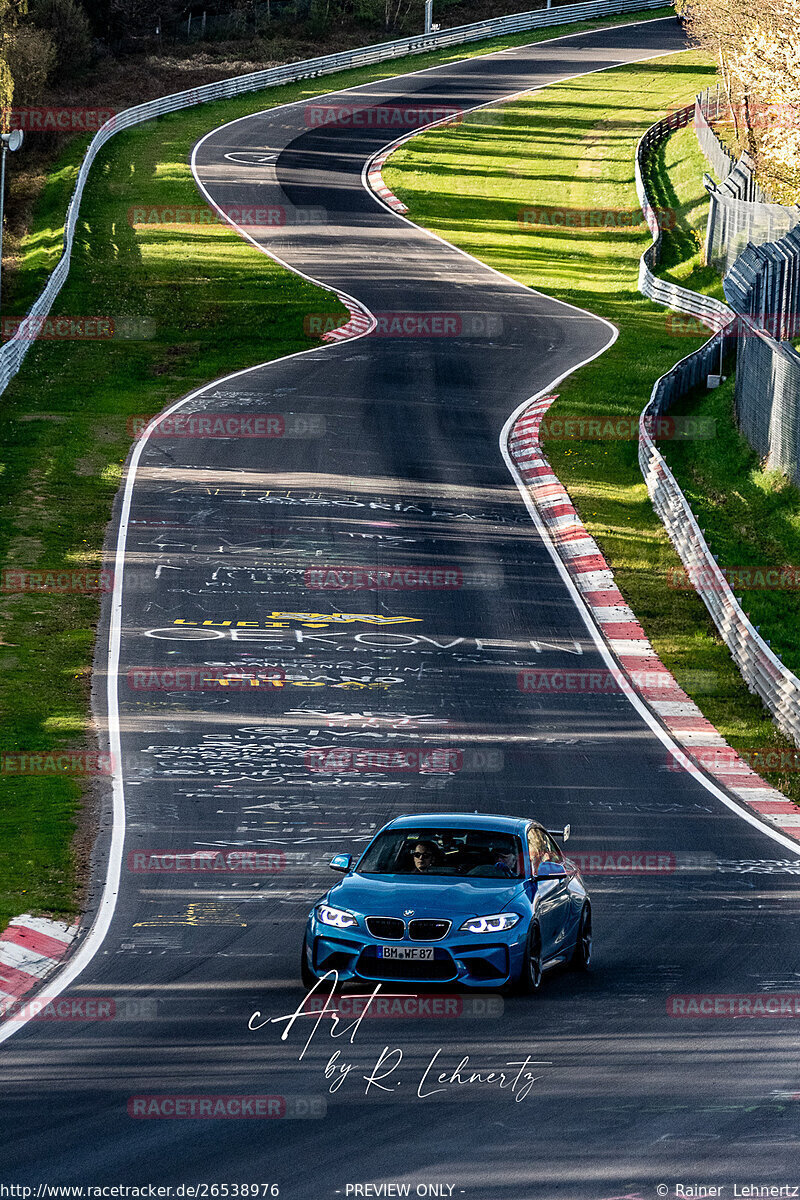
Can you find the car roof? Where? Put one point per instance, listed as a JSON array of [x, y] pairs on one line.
[[489, 821]]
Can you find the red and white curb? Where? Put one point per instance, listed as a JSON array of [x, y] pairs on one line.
[[30, 949], [373, 172], [360, 323], [375, 179], [701, 741]]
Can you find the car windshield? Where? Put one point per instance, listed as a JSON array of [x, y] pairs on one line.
[[437, 851]]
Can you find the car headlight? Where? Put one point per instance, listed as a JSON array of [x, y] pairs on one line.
[[337, 917], [494, 924]]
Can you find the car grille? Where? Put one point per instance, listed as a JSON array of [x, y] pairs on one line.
[[391, 928], [428, 931]]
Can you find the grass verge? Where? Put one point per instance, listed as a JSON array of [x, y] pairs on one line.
[[204, 304], [572, 147]]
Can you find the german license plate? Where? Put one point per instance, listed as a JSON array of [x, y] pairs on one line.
[[416, 953]]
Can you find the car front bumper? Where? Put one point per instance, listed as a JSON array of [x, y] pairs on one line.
[[469, 960]]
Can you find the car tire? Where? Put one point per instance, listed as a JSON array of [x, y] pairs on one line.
[[582, 954], [530, 978], [306, 974]]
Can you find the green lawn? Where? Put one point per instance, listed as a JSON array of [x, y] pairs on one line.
[[204, 304], [572, 146], [673, 175]]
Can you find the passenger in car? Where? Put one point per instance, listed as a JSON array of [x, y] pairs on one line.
[[538, 847], [501, 863]]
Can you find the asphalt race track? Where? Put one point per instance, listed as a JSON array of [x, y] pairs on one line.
[[388, 455]]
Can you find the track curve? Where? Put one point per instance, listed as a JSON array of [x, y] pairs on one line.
[[389, 456]]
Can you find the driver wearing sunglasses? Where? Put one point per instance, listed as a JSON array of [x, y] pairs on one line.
[[426, 856]]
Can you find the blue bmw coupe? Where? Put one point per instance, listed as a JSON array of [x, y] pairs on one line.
[[481, 901]]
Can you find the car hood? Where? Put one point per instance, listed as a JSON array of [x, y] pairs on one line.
[[390, 896]]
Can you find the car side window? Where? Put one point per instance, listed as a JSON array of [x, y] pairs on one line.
[[554, 854], [538, 848]]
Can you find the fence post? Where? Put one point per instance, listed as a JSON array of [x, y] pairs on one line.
[[708, 245]]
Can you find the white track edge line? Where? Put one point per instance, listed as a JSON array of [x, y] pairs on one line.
[[92, 941], [680, 753]]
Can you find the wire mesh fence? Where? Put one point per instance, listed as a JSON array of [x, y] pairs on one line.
[[761, 669], [757, 245], [740, 212]]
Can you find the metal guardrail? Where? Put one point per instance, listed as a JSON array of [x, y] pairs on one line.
[[13, 352], [708, 309], [762, 670]]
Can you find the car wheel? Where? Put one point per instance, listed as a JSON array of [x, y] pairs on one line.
[[530, 979], [582, 954], [306, 974]]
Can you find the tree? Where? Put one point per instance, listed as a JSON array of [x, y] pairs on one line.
[[757, 47], [10, 11], [68, 25], [31, 57], [717, 27], [767, 67]]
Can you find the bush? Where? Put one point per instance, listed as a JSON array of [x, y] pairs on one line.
[[31, 56], [67, 23]]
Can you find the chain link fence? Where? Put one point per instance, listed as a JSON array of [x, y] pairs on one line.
[[763, 672], [740, 212], [757, 244], [767, 399], [709, 107]]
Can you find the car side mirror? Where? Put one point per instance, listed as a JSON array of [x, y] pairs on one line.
[[341, 862], [551, 870]]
